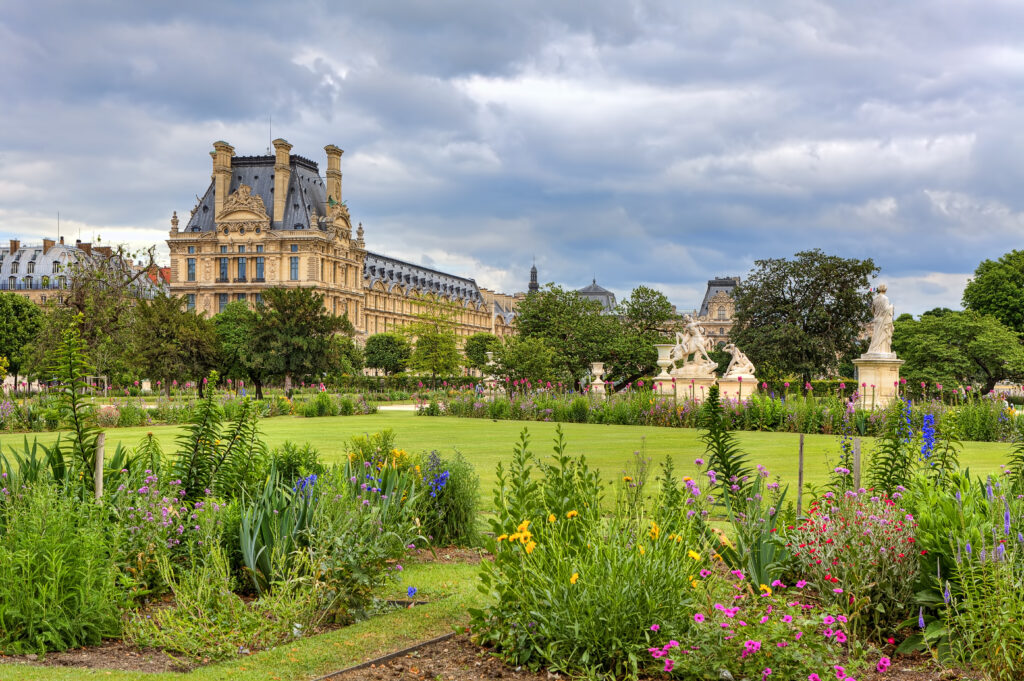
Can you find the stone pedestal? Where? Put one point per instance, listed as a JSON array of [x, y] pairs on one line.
[[878, 378], [692, 384], [736, 387]]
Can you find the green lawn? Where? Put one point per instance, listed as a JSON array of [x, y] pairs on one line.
[[608, 448]]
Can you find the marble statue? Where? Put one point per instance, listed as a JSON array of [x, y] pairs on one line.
[[691, 341], [739, 365], [881, 325]]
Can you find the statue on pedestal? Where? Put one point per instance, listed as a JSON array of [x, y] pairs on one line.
[[740, 365], [691, 341], [882, 324]]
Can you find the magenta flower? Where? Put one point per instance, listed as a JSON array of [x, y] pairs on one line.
[[698, 618], [655, 627], [883, 665]]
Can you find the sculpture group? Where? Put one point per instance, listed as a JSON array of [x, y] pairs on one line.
[[688, 370]]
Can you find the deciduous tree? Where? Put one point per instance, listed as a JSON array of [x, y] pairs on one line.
[[997, 289], [388, 352], [802, 316], [20, 319], [958, 348]]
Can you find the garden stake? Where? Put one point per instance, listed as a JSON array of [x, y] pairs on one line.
[[98, 475], [800, 480], [856, 462]]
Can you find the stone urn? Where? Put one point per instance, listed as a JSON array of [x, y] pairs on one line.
[[664, 350], [597, 371]]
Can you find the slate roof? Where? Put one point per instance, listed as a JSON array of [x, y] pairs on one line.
[[600, 294], [392, 272], [715, 286], [307, 193]]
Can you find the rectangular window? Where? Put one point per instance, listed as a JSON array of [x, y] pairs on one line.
[[241, 268], [191, 269], [222, 301], [294, 267], [257, 298], [223, 249], [259, 269], [191, 250], [295, 248], [241, 249], [321, 269], [259, 249], [223, 269], [240, 296], [191, 301]]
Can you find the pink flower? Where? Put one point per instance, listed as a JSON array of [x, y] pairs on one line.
[[813, 677], [840, 637], [655, 627], [883, 665], [698, 618], [837, 590], [801, 584]]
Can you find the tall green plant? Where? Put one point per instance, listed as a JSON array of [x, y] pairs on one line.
[[71, 368], [892, 461], [732, 473]]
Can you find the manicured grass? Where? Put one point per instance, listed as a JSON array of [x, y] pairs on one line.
[[450, 588], [608, 448]]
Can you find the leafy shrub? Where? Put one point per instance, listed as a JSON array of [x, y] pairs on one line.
[[59, 586], [294, 461], [448, 500], [320, 405], [860, 551]]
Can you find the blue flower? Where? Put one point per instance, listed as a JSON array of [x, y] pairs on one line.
[[412, 591], [928, 436]]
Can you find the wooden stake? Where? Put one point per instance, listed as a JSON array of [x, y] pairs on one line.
[[98, 473], [856, 463], [800, 480]]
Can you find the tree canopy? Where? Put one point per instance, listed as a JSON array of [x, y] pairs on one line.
[[476, 348], [802, 316], [997, 289], [20, 320], [388, 352], [171, 342], [958, 348]]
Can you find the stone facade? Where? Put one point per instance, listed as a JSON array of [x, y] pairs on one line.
[[42, 272], [718, 310], [272, 221]]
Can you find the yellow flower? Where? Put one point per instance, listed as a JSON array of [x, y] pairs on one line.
[[693, 554], [571, 514], [687, 479], [522, 526], [551, 518], [503, 537], [575, 576], [514, 537], [765, 588], [641, 547], [626, 478], [531, 546], [654, 531]]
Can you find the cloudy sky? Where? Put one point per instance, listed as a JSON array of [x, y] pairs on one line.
[[658, 143]]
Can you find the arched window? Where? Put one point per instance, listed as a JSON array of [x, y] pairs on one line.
[[721, 311]]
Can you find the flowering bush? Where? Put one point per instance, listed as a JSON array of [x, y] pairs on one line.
[[859, 551]]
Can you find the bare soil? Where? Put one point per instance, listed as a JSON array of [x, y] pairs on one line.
[[110, 655]]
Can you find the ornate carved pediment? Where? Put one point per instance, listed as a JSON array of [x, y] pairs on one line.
[[243, 201]]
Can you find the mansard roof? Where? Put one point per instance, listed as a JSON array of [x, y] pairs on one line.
[[307, 193], [392, 271], [715, 286]]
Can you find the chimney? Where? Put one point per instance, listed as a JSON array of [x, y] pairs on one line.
[[62, 241], [282, 177], [47, 245], [221, 174], [333, 172], [15, 245]]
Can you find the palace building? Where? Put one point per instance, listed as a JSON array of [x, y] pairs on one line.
[[273, 221]]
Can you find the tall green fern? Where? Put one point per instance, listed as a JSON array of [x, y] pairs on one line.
[[197, 446], [892, 460]]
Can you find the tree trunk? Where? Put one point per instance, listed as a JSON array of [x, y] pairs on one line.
[[259, 388], [287, 382], [200, 385]]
